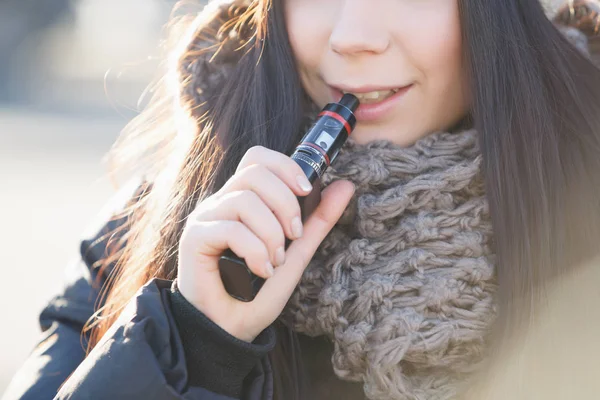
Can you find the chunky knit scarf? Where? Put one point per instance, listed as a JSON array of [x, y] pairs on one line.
[[404, 283]]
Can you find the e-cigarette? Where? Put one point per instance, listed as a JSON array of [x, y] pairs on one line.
[[317, 150]]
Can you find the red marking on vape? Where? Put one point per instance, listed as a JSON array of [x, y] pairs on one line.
[[339, 118], [314, 146]]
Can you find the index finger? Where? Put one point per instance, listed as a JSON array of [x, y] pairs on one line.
[[281, 165]]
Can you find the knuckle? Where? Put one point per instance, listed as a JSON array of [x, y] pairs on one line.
[[205, 212], [257, 253], [256, 149], [204, 204], [256, 168], [252, 172], [295, 207], [194, 231], [235, 227], [236, 197], [286, 208], [250, 197], [242, 200], [276, 236], [254, 153], [321, 220], [292, 208]]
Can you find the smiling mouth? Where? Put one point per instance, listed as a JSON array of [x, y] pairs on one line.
[[374, 96]]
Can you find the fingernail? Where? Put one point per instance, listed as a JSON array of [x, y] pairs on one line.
[[270, 270], [280, 256], [297, 227], [304, 183]]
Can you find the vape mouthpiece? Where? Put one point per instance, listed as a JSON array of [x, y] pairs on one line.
[[350, 102]]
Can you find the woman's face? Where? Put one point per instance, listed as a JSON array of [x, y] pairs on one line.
[[375, 47]]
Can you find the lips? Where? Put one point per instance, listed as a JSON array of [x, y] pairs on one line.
[[374, 96], [373, 106]]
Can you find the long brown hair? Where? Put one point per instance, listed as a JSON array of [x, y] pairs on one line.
[[536, 104]]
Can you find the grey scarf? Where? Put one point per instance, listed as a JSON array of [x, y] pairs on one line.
[[404, 283]]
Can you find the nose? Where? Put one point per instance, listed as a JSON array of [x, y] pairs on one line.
[[359, 29]]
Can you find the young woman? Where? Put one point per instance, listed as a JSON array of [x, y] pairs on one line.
[[471, 181]]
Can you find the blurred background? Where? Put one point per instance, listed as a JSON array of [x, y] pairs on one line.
[[71, 73]]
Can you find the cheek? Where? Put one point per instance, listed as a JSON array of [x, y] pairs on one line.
[[307, 31], [437, 48], [309, 26], [436, 51]]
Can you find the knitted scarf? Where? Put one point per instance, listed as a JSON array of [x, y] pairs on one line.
[[404, 283]]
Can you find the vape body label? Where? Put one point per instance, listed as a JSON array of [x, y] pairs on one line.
[[312, 157]]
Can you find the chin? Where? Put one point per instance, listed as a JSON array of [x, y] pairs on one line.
[[401, 135], [364, 135]]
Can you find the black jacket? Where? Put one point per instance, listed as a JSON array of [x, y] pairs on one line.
[[161, 347]]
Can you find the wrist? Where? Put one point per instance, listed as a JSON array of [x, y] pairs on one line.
[[231, 324], [216, 360]]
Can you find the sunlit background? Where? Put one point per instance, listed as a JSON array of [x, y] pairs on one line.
[[71, 72]]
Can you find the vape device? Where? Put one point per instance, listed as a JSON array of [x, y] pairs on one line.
[[317, 150]]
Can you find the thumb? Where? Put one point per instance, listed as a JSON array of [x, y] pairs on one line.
[[277, 290]]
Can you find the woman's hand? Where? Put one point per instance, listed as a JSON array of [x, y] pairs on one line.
[[252, 214]]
